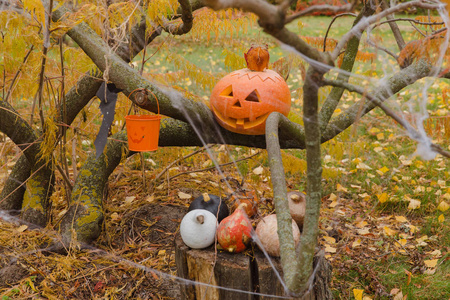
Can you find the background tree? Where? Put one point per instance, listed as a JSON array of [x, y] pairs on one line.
[[112, 34]]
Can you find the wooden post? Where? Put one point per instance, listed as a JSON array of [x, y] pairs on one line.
[[250, 274]]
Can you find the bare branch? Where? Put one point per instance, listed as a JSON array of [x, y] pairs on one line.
[[364, 23], [329, 27], [394, 28], [320, 8], [186, 17]]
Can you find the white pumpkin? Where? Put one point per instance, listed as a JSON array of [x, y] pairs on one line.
[[266, 230], [198, 228]]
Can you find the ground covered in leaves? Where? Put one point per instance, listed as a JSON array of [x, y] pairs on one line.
[[380, 247]]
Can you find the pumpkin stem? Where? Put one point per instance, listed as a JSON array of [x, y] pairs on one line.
[[201, 219], [257, 58]]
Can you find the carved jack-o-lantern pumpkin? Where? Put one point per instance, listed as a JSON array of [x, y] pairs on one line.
[[242, 100]]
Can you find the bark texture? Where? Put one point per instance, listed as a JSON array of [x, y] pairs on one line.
[[82, 223]]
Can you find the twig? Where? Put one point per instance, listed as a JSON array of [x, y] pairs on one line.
[[329, 27], [66, 180], [44, 60], [412, 131], [318, 8], [177, 161], [213, 167], [361, 26]]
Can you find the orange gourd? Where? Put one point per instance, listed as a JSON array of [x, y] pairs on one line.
[[234, 232], [242, 100]]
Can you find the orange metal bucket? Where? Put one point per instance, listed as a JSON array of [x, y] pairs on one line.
[[143, 132]]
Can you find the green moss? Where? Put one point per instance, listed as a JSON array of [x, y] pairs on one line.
[[86, 173], [34, 196], [94, 214]]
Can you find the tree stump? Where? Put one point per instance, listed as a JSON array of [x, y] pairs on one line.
[[253, 276]]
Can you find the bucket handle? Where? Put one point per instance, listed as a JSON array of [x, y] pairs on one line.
[[146, 92]]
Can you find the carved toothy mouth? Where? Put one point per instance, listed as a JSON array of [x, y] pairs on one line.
[[244, 123]]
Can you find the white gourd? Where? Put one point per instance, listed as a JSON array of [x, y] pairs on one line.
[[198, 228]]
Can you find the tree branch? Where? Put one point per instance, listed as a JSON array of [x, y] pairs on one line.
[[348, 62], [320, 8], [289, 261], [413, 133], [384, 90], [361, 26]]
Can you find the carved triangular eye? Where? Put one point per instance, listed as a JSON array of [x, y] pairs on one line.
[[253, 97], [237, 104], [227, 92]]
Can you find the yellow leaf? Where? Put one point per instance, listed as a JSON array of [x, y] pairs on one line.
[[414, 204], [35, 8], [430, 263], [388, 231], [329, 239], [184, 195], [401, 219], [330, 249], [441, 218], [333, 197], [356, 243], [361, 224], [443, 206], [413, 229], [333, 204], [22, 228], [383, 170], [340, 188], [402, 242], [374, 130], [380, 136], [382, 197], [358, 294]]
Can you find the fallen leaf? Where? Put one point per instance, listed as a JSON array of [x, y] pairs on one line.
[[436, 253], [414, 204], [401, 219], [150, 198], [441, 218], [443, 206], [394, 291], [22, 228], [340, 188], [258, 171], [363, 166], [363, 231], [356, 243], [184, 196], [129, 199], [409, 276], [430, 263], [402, 242], [361, 224], [382, 197], [388, 231], [383, 170], [329, 239], [333, 204], [330, 249], [358, 294], [399, 296], [332, 197]]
